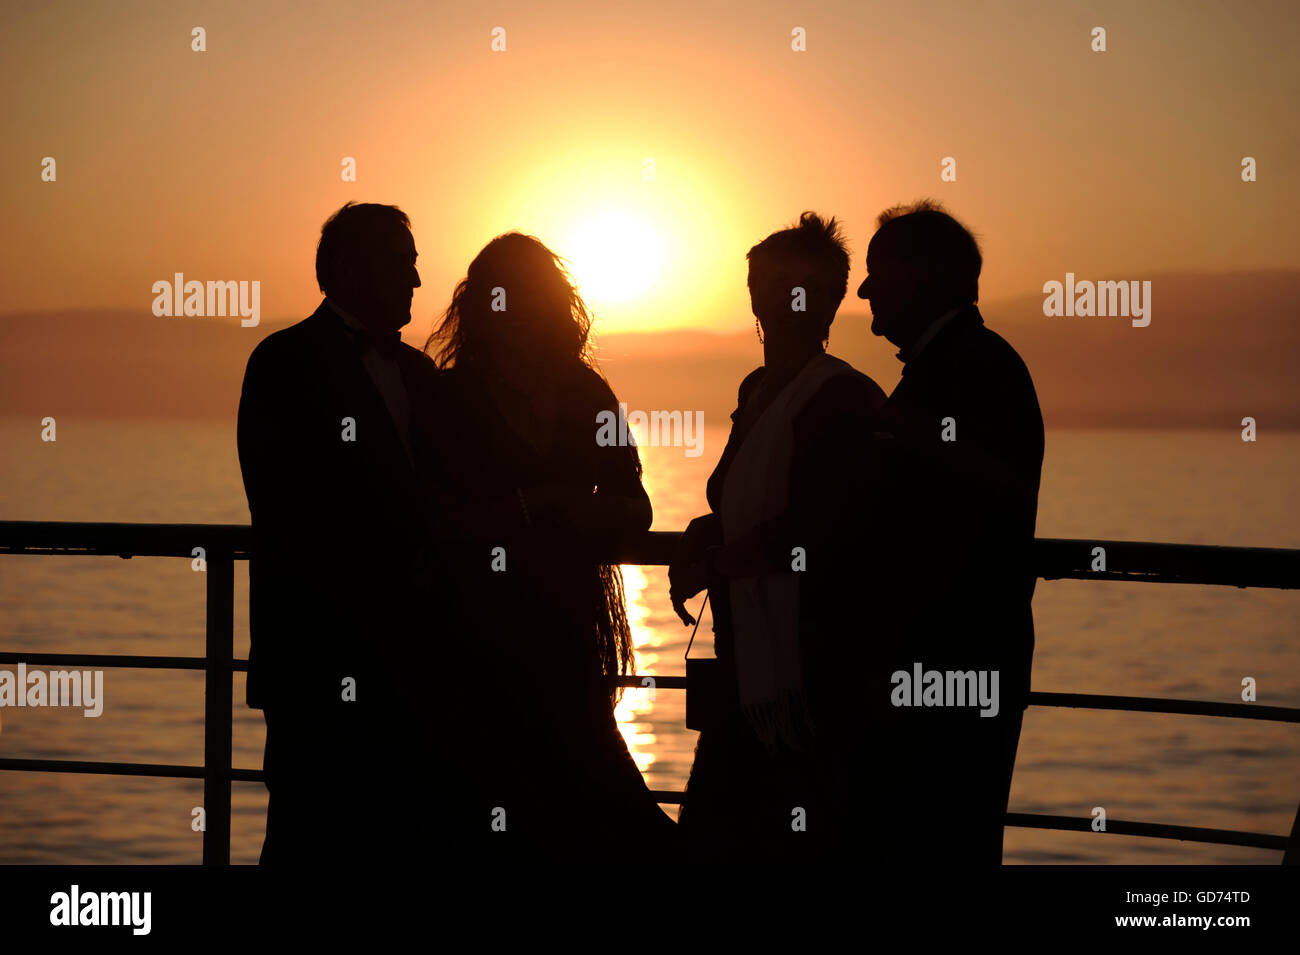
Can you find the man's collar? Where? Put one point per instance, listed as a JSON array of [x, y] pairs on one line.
[[386, 344], [350, 320], [930, 333]]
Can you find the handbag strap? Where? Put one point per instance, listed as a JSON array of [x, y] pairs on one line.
[[698, 617]]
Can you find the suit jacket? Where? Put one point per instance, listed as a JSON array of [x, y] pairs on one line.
[[956, 517], [339, 526]]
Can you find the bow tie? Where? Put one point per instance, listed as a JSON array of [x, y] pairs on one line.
[[385, 343]]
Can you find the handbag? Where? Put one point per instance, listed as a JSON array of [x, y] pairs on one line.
[[703, 682]]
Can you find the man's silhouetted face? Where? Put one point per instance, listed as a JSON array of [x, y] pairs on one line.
[[378, 283], [899, 293], [905, 293]]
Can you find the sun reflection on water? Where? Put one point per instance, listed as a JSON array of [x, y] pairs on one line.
[[633, 709]]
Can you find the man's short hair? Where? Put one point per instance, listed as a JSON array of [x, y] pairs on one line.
[[924, 230], [350, 230], [817, 246]]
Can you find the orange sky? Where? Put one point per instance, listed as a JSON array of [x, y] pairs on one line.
[[223, 164]]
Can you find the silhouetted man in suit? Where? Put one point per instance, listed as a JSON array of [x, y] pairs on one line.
[[335, 465], [950, 527]]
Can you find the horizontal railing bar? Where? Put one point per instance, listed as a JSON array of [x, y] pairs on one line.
[[121, 539], [1138, 704], [1146, 704], [1150, 562], [1230, 837], [111, 660], [1054, 558], [661, 682], [162, 770], [1155, 830], [165, 771], [159, 770]]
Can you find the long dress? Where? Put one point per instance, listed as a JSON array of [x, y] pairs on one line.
[[548, 761]]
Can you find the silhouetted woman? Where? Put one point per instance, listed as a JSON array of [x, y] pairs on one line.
[[772, 765], [536, 498]]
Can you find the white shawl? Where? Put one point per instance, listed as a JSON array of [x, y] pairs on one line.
[[765, 609]]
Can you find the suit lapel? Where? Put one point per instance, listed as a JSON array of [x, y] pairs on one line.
[[356, 396], [943, 341], [911, 416]]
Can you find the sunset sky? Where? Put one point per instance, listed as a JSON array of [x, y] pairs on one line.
[[223, 164]]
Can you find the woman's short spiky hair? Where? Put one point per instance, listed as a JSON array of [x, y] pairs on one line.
[[817, 249]]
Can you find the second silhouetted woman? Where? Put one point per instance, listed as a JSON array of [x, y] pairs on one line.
[[537, 500]]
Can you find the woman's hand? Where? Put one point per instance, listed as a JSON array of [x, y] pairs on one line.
[[684, 582], [688, 573], [701, 533]]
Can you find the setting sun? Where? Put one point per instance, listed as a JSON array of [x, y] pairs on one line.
[[646, 254], [614, 257]]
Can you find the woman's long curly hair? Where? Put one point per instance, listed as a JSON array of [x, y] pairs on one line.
[[525, 268]]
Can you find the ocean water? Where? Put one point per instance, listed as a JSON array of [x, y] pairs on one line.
[[1122, 638]]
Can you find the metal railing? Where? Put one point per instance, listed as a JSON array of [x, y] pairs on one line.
[[223, 544]]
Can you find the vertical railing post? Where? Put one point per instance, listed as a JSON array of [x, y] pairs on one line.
[[218, 710]]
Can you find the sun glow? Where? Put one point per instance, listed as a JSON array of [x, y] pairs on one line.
[[646, 254], [614, 258]]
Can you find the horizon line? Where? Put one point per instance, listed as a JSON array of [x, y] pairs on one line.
[[844, 310]]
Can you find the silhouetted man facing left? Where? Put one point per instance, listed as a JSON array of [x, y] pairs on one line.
[[951, 526], [333, 465]]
